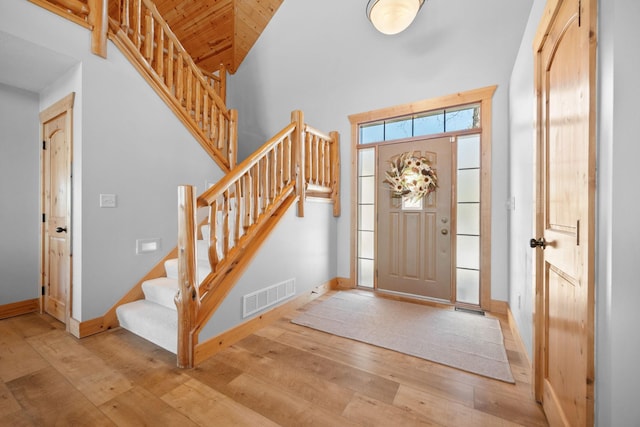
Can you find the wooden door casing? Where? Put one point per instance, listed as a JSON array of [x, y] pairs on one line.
[[565, 75]]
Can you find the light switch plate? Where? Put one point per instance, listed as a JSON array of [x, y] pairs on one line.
[[107, 200]]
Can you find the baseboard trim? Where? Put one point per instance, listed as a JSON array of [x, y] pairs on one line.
[[89, 327], [502, 307], [343, 283], [212, 346], [499, 307], [513, 325], [19, 308]]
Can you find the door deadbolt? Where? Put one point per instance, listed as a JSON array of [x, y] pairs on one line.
[[540, 243]]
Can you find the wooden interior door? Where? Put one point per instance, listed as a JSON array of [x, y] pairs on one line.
[[414, 244], [565, 213], [56, 197]]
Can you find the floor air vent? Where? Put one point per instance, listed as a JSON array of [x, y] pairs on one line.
[[259, 300], [471, 310]]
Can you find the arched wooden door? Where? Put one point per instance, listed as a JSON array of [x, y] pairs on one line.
[[56, 205], [564, 358]]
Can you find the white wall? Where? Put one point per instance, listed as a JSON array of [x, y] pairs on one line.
[[521, 182], [126, 142], [326, 59], [19, 172], [298, 248], [618, 289]]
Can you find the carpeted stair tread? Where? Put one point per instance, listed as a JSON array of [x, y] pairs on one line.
[[161, 291], [152, 322]]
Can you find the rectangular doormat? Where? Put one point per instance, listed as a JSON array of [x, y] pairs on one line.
[[461, 340]]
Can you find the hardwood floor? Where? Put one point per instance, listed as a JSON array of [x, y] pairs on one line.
[[284, 374]]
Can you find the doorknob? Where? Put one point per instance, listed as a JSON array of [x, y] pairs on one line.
[[61, 229], [538, 243]]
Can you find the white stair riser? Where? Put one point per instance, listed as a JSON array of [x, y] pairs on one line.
[[171, 268], [152, 322], [161, 291]]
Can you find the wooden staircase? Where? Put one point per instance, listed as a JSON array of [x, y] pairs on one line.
[[139, 31], [181, 293], [241, 210]]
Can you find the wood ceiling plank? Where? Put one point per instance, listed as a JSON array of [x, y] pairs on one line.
[[216, 31]]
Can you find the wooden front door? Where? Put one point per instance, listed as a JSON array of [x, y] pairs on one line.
[[414, 239], [565, 214], [56, 200]]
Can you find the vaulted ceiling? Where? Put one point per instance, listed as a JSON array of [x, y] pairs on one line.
[[218, 32]]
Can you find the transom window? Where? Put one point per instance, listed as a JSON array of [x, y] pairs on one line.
[[429, 123]]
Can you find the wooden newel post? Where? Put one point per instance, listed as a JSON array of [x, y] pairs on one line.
[[297, 117], [335, 171], [99, 20], [187, 299]]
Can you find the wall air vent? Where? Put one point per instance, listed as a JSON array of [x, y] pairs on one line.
[[259, 300]]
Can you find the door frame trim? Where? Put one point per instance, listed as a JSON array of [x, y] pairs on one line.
[[64, 105], [483, 97]]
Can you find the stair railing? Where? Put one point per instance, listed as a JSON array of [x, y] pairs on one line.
[[218, 81], [242, 208], [145, 38], [322, 166]]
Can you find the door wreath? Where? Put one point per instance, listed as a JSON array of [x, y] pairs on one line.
[[410, 175]]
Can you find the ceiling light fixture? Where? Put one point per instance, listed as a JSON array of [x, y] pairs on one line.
[[392, 16]]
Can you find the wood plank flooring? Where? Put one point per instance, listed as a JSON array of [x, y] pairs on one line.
[[283, 374]]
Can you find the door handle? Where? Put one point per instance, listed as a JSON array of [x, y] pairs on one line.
[[61, 229], [538, 243]]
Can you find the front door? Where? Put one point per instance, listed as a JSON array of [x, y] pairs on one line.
[[56, 200], [414, 236], [565, 214]]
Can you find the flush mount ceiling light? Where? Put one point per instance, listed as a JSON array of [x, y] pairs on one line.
[[392, 16]]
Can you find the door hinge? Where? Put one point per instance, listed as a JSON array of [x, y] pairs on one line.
[[44, 218], [44, 145], [43, 290]]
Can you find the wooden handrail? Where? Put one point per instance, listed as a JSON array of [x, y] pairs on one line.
[[77, 7], [241, 206], [144, 36]]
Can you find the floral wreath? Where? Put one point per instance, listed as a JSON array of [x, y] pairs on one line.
[[411, 175]]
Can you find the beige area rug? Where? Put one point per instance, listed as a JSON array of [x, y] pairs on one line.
[[466, 341]]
